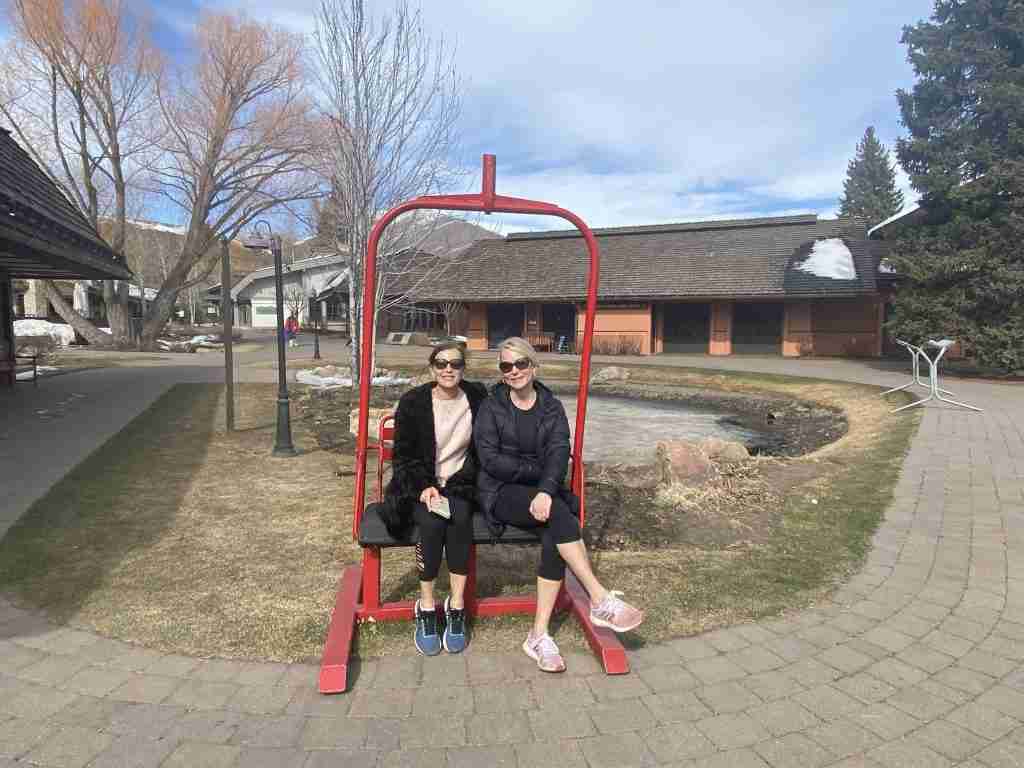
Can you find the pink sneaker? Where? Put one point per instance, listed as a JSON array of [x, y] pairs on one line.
[[615, 614], [544, 651]]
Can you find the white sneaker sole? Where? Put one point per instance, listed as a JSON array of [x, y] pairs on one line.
[[608, 625]]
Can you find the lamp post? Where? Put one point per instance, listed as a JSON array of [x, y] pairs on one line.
[[283, 438], [314, 315]]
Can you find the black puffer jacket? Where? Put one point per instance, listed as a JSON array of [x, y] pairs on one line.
[[413, 461], [497, 446]]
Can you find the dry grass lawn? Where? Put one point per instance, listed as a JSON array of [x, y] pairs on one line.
[[178, 536]]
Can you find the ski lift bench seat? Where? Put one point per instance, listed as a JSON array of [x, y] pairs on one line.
[[373, 533], [359, 591]]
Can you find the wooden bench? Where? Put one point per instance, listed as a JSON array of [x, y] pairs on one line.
[[359, 591]]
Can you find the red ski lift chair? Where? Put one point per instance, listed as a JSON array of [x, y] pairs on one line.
[[359, 591]]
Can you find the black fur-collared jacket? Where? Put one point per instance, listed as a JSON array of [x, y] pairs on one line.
[[414, 457]]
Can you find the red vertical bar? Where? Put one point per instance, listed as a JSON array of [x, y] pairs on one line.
[[588, 335], [371, 578], [487, 191]]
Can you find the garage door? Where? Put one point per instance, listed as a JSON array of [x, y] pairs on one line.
[[757, 328], [687, 327]]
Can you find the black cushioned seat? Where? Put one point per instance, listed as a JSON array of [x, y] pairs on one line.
[[373, 533]]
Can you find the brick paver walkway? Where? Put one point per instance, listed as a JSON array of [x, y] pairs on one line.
[[918, 661]]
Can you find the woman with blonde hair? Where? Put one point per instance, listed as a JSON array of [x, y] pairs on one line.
[[522, 440]]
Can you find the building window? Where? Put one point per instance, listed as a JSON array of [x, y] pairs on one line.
[[337, 309]]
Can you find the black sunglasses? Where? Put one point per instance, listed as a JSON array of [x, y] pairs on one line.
[[521, 364], [457, 364]]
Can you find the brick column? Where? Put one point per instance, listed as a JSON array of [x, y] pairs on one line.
[[720, 342], [797, 336], [477, 332], [659, 328]]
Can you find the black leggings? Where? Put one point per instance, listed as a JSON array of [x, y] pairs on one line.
[[453, 536], [562, 527]]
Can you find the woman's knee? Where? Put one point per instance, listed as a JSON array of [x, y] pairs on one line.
[[564, 525]]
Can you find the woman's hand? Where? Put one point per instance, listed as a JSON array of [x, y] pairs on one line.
[[540, 507], [429, 495]]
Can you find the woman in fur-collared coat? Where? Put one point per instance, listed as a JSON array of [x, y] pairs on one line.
[[433, 484]]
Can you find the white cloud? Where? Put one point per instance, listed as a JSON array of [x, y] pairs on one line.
[[655, 111]]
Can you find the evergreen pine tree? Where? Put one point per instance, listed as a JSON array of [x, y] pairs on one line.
[[870, 187], [965, 154]]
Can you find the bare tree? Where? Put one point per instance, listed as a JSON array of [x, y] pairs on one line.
[[453, 312], [295, 300], [391, 99], [238, 144], [85, 91]]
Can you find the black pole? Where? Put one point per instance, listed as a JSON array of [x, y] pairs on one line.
[[316, 330], [283, 439], [227, 318]]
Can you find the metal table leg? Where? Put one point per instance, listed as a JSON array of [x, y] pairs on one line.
[[935, 392]]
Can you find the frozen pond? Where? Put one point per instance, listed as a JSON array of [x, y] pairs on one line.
[[625, 430]]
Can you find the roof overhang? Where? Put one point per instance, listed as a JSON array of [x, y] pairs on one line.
[[30, 256]]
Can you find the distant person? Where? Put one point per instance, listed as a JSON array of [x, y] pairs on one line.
[[291, 329], [522, 438], [434, 484]]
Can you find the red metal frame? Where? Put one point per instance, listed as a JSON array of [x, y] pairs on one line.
[[359, 590]]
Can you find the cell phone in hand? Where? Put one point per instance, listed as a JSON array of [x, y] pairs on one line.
[[440, 507]]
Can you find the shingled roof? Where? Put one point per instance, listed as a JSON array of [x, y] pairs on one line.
[[42, 235], [739, 258]]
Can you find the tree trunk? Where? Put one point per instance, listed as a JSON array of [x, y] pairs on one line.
[[115, 296], [84, 328], [355, 327]]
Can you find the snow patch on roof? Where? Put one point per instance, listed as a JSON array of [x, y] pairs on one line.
[[894, 217], [830, 258]]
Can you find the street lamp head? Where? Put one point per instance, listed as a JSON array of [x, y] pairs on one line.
[[260, 241]]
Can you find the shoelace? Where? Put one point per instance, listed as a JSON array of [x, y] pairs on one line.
[[546, 646], [611, 603], [455, 621], [428, 622]]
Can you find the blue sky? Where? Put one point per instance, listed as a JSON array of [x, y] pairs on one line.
[[655, 111]]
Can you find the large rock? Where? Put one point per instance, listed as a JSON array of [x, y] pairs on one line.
[[724, 451], [679, 461], [608, 374], [376, 414]]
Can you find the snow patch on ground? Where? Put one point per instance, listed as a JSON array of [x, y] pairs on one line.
[[42, 370], [830, 258], [61, 334], [174, 229], [308, 377]]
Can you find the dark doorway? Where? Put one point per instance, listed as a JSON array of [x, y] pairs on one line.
[[504, 320], [559, 321], [757, 328], [687, 327]]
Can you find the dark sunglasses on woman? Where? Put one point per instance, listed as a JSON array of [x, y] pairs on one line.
[[521, 364], [457, 365]]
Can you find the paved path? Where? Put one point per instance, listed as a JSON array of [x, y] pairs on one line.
[[919, 661]]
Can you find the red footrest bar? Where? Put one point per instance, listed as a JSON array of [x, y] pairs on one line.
[[603, 642], [334, 664]]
